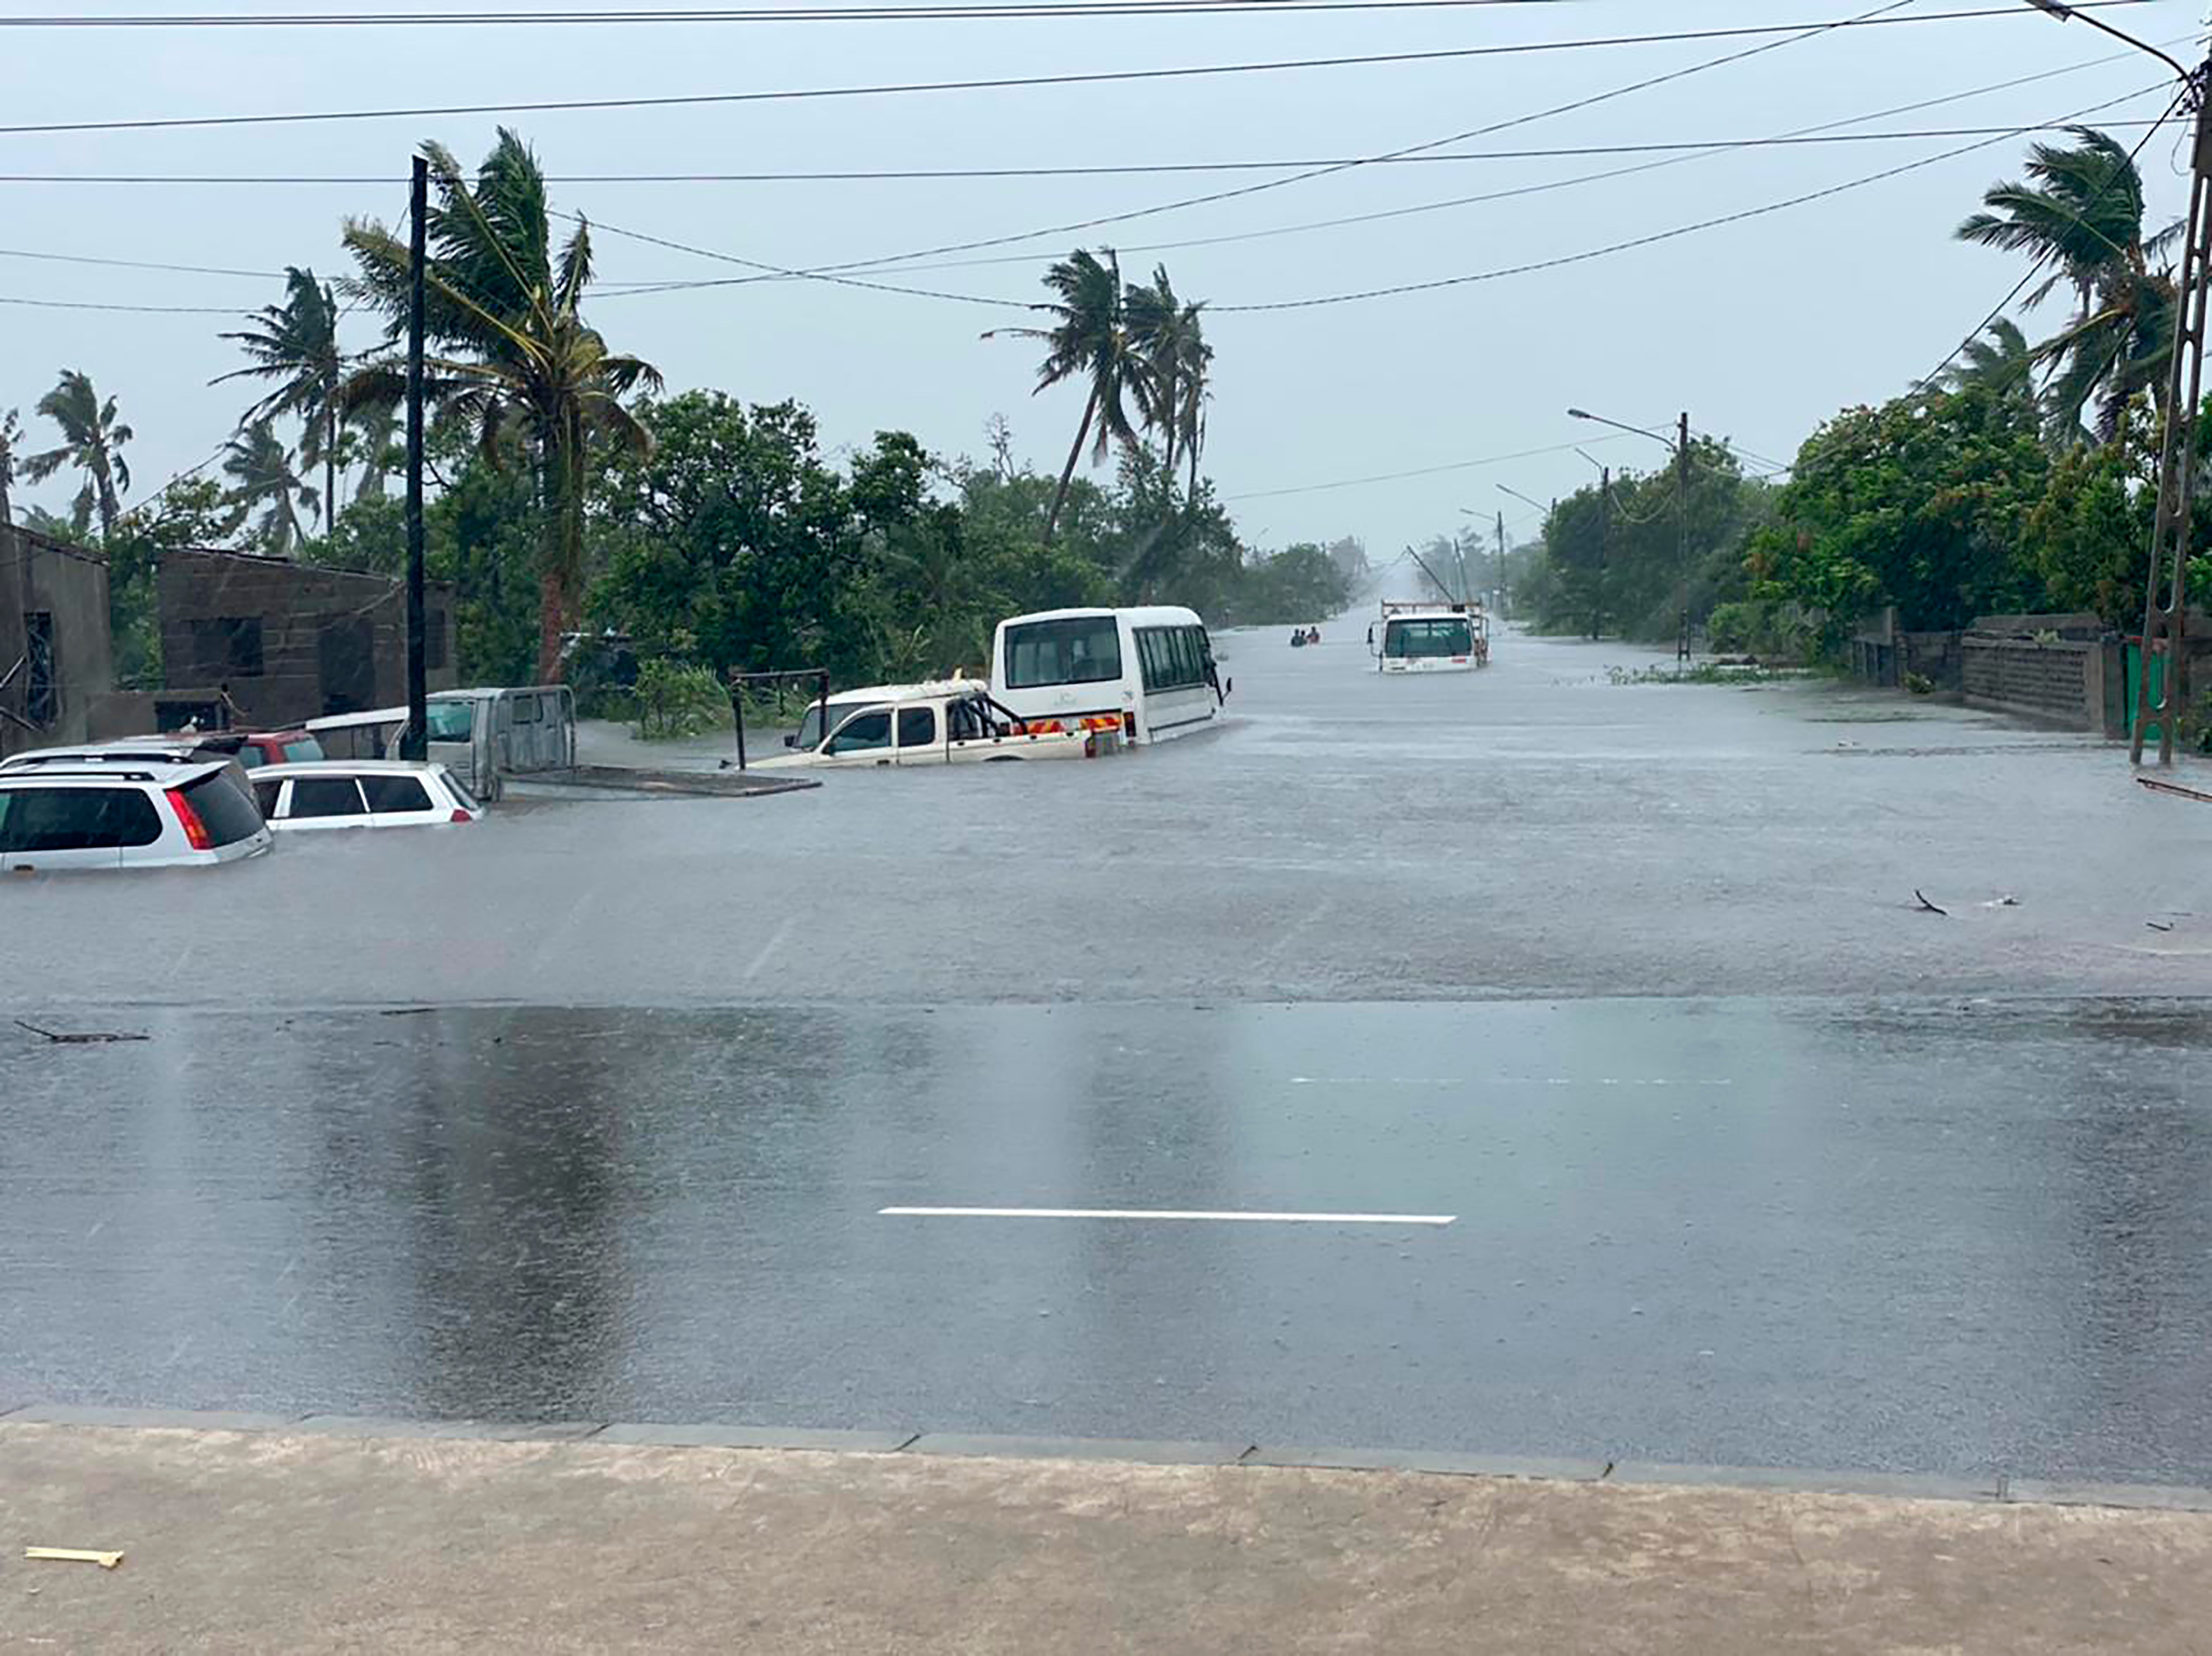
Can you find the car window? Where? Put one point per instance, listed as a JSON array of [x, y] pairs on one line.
[[389, 795], [264, 796], [223, 808], [326, 796], [78, 819], [526, 709], [307, 751], [250, 756], [451, 721], [863, 731], [917, 726]]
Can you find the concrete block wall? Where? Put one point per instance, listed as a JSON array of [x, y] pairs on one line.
[[2062, 681]]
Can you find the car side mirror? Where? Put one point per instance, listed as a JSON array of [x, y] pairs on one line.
[[790, 741]]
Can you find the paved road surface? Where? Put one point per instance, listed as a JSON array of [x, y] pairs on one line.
[[1938, 1236], [1748, 1160]]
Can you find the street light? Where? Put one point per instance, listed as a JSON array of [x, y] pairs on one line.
[[1681, 445], [2165, 611], [2067, 15]]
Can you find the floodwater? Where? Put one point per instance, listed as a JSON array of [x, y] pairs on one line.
[[591, 1111]]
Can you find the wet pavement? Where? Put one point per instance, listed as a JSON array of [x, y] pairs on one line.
[[1933, 1237], [591, 1112]]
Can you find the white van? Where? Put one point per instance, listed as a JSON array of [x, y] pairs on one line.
[[483, 736], [1149, 671]]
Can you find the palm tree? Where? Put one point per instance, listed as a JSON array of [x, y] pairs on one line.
[[2080, 209], [92, 441], [517, 358], [1092, 338], [2002, 362], [296, 344], [372, 427], [264, 479], [1195, 391]]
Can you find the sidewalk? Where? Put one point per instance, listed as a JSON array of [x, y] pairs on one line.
[[268, 1540]]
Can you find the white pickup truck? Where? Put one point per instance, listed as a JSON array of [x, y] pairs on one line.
[[952, 721]]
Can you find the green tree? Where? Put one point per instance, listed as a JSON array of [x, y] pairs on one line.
[[296, 344], [264, 480], [190, 513], [1168, 336], [517, 358], [2080, 209], [1089, 340], [92, 442], [1921, 503]]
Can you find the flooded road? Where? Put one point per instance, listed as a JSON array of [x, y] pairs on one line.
[[595, 1111], [1532, 831], [1951, 1238]]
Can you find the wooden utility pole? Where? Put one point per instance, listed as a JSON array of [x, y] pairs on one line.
[[1682, 520], [1604, 551], [415, 744], [15, 581], [2165, 662]]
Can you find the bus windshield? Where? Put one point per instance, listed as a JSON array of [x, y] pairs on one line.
[[1080, 650], [1446, 636]]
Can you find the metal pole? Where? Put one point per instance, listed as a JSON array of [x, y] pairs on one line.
[[1500, 597], [738, 707], [1682, 518], [2164, 611], [1604, 546], [416, 743]]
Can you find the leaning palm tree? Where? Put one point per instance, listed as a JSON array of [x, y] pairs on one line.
[[1195, 391], [1090, 339], [1998, 359], [264, 479], [2079, 210], [296, 344], [516, 357], [92, 441]]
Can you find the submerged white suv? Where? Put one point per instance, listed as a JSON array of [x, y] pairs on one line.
[[116, 814]]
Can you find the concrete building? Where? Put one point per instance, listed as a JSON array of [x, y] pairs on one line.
[[287, 641], [55, 660]]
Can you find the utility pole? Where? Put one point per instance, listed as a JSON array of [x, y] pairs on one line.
[[15, 581], [1604, 550], [1501, 563], [1682, 519], [2165, 597], [415, 744]]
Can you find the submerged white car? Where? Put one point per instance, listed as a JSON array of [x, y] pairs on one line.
[[362, 794], [950, 722]]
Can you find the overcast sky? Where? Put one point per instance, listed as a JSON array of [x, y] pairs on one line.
[[1759, 329]]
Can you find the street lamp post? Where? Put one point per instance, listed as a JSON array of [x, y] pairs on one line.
[[1546, 510], [2166, 590], [1604, 542], [1681, 444]]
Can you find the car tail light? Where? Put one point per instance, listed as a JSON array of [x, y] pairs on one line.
[[196, 833], [460, 815]]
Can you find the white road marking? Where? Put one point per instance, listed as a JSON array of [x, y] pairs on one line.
[[771, 946], [1165, 1213]]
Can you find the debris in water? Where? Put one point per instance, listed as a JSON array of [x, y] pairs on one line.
[[106, 1560], [1925, 904], [94, 1038], [2007, 902]]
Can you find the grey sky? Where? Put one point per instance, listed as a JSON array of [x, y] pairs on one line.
[[1759, 329]]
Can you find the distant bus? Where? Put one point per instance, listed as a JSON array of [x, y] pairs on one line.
[[1150, 671]]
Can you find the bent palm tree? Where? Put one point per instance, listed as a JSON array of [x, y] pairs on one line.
[[2081, 210], [263, 479], [1090, 339], [92, 441], [296, 344], [1998, 359], [517, 358]]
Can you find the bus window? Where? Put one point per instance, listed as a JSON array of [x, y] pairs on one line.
[[1080, 650], [1412, 639]]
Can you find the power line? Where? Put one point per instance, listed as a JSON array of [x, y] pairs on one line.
[[137, 264], [1678, 231], [1088, 77], [1420, 471], [1023, 10], [158, 310]]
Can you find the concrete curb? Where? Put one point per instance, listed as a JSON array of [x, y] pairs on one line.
[[1991, 1489]]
